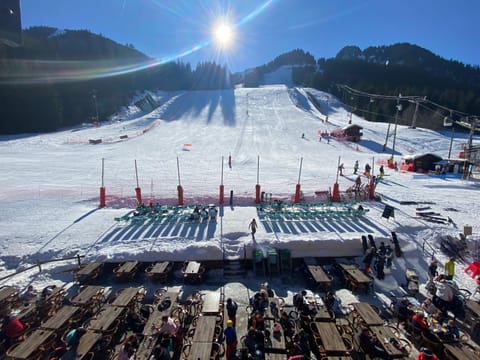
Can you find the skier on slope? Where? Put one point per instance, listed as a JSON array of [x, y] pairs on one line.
[[355, 167]]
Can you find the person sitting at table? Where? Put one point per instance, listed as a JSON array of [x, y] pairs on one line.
[[419, 323], [329, 300], [370, 344], [301, 343], [258, 321], [426, 354], [300, 301], [288, 325], [404, 313], [135, 322], [255, 343], [452, 332], [73, 336], [132, 340], [30, 294], [428, 306], [12, 328], [127, 352], [258, 303], [168, 326], [265, 286]]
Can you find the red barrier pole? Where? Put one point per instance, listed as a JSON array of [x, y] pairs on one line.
[[372, 189], [336, 193], [138, 194], [180, 194], [257, 187], [297, 194], [102, 197], [102, 189], [221, 197]]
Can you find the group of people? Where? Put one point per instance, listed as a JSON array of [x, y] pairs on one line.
[[382, 257]]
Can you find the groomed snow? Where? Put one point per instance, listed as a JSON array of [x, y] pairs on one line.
[[50, 184]]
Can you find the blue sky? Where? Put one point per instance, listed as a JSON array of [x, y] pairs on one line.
[[264, 29]]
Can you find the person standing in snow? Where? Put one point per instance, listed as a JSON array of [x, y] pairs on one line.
[[450, 269], [367, 170], [232, 311], [368, 258], [340, 168], [355, 167], [253, 228], [382, 172], [388, 256]]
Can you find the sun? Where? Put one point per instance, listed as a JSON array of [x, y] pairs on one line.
[[223, 34]]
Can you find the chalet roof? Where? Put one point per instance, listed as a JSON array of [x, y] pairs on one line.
[[416, 156], [351, 126]]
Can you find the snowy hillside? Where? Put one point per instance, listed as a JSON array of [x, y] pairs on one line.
[[50, 183]]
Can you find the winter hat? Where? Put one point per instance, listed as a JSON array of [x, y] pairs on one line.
[[229, 323]]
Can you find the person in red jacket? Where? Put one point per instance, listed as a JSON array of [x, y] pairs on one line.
[[426, 354], [12, 328]]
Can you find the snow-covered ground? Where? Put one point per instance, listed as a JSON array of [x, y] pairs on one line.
[[50, 185]]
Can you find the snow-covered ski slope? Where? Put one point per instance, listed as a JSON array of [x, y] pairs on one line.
[[50, 182]]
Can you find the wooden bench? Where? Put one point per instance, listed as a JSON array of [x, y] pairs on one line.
[[159, 271], [89, 272]]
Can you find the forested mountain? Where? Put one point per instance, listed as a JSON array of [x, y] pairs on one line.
[[400, 69], [61, 78]]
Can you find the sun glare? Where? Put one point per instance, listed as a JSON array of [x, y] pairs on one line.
[[223, 35]]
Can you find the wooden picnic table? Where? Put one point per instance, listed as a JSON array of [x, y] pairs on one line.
[[460, 352], [31, 345], [274, 356], [86, 294], [60, 318], [160, 270], [331, 341], [473, 308], [355, 277], [211, 303], [384, 334], [86, 343], [276, 343], [200, 350], [105, 317], [8, 293], [193, 267], [322, 314], [205, 329], [126, 296], [126, 270], [90, 270], [155, 317], [319, 276], [367, 313]]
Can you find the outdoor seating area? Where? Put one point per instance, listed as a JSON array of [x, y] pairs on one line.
[[190, 324]]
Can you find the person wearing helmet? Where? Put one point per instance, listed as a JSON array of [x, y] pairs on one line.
[[231, 340]]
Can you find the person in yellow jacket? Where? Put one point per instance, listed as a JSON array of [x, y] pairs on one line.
[[450, 269]]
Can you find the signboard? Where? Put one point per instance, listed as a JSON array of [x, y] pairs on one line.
[[389, 211]]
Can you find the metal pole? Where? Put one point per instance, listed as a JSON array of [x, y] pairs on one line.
[[395, 129], [258, 169], [300, 171], [136, 172], [414, 119], [451, 140], [103, 166], [178, 171], [338, 165], [221, 179]]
